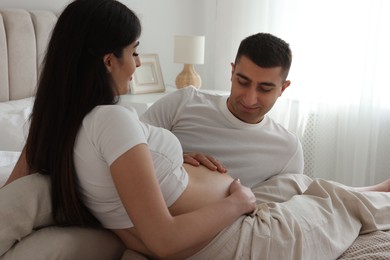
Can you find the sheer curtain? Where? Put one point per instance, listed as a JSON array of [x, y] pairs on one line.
[[339, 99]]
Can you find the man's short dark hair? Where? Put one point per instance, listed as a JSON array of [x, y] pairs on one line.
[[266, 51]]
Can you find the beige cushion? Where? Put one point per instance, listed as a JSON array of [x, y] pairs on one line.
[[67, 243], [25, 207], [132, 255]]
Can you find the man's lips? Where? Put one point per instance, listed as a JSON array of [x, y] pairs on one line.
[[248, 109]]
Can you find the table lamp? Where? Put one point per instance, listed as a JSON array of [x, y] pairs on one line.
[[189, 50]]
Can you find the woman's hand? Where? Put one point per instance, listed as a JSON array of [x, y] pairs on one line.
[[244, 196], [196, 159]]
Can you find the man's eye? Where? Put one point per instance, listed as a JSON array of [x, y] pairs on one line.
[[264, 89], [242, 82]]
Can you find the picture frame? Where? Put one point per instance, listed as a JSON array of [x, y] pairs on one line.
[[148, 77]]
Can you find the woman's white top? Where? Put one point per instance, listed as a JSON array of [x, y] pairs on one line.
[[106, 133]]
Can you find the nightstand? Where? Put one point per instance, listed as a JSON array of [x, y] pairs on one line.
[[141, 102]]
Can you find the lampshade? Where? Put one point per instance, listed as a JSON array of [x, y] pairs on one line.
[[189, 49]]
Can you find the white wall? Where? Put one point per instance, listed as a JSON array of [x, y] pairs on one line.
[[161, 20]]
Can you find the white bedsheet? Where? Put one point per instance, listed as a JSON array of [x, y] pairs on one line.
[[14, 123]]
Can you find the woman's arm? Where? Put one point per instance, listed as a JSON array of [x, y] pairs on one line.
[[21, 168], [134, 177]]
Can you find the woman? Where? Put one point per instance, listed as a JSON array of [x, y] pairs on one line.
[[94, 150], [106, 167]]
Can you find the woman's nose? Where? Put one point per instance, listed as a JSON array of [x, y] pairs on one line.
[[137, 61]]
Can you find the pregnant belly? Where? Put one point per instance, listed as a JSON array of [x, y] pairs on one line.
[[204, 187]]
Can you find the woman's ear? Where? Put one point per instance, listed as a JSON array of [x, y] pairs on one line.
[[107, 60]]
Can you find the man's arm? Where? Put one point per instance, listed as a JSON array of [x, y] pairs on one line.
[[296, 162], [165, 113]]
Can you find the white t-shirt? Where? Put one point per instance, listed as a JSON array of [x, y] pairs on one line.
[[203, 123], [106, 133]]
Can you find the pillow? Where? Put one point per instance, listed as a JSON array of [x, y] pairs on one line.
[[67, 243], [8, 158], [24, 205], [25, 214], [14, 118], [132, 255]]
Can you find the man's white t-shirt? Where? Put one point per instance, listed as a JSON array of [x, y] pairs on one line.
[[106, 133], [203, 123]]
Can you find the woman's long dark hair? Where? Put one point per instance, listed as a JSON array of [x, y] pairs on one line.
[[72, 82]]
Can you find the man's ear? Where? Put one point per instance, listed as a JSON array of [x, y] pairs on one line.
[[107, 60], [233, 66], [285, 85]]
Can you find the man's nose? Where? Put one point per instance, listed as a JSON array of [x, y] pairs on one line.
[[250, 97]]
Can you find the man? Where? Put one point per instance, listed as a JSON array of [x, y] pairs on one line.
[[235, 129]]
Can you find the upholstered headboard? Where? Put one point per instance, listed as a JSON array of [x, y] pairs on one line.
[[23, 39]]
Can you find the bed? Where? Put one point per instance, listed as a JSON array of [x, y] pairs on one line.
[[26, 232]]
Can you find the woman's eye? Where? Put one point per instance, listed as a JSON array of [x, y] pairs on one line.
[[135, 54]]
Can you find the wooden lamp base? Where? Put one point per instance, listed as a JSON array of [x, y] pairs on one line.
[[188, 76]]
